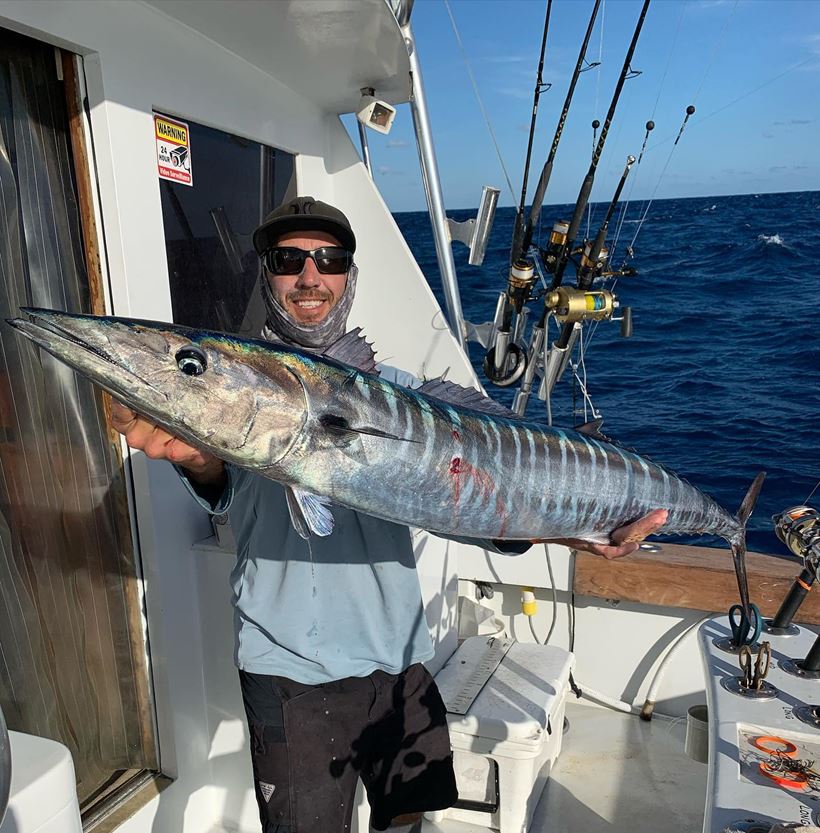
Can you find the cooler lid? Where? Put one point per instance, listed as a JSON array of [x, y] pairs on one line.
[[517, 700], [42, 782]]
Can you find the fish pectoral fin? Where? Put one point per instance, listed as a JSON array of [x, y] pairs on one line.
[[340, 426], [309, 514]]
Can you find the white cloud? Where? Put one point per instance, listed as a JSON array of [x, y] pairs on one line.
[[511, 92]]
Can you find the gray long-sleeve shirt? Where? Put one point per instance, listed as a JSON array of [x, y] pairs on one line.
[[333, 607]]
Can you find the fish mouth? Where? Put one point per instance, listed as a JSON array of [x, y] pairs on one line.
[[43, 328]]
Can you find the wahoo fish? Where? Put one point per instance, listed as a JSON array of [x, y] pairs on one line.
[[440, 457]]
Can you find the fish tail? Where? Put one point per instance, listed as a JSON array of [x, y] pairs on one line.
[[738, 542]]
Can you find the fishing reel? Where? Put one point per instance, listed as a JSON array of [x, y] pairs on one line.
[[592, 267], [799, 529], [552, 254], [520, 283], [569, 305], [505, 362]]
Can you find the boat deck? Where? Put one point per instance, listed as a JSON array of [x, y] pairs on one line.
[[616, 773]]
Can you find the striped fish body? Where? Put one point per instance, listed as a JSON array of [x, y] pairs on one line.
[[326, 428], [459, 471]]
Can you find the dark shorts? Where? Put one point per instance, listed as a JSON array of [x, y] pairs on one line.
[[311, 744]]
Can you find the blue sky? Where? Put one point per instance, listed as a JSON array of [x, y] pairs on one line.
[[709, 53]]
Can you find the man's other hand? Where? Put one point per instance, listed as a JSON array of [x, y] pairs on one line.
[[625, 539], [158, 444]]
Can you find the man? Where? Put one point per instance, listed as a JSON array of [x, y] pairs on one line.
[[330, 633]]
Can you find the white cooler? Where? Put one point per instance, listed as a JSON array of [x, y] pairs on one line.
[[504, 746], [43, 796]]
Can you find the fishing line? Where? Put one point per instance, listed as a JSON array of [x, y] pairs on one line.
[[811, 493], [597, 98], [625, 205], [644, 211], [540, 87], [546, 172], [715, 50], [734, 101], [587, 399], [480, 101]]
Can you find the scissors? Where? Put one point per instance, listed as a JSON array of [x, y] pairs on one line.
[[754, 671], [746, 626]]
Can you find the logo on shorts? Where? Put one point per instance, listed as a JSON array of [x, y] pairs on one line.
[[266, 790]]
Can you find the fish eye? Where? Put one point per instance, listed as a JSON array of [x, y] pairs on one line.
[[191, 360]]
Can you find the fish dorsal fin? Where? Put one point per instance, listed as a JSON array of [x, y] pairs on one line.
[[353, 349], [593, 429], [309, 514], [455, 394]]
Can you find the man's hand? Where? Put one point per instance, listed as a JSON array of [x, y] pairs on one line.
[[625, 540], [158, 444]]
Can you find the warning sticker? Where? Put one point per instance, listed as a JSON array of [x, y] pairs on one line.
[[173, 150]]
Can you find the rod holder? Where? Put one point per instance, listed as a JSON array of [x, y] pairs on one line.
[[781, 624]]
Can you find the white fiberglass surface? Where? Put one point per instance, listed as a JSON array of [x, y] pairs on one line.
[[619, 774]]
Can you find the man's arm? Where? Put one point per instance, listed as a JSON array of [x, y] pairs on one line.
[[625, 539]]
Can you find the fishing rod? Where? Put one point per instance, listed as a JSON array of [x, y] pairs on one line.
[[505, 362], [522, 244], [589, 179], [571, 306], [588, 306], [590, 259], [539, 88]]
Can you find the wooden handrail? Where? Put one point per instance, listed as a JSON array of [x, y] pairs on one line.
[[698, 578]]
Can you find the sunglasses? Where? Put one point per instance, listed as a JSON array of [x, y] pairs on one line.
[[287, 260]]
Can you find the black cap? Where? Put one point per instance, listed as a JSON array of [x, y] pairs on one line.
[[303, 214]]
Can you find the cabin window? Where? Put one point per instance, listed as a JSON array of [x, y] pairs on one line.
[[213, 269], [73, 661]]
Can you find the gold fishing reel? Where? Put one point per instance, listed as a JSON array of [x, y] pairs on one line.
[[570, 305], [799, 529]]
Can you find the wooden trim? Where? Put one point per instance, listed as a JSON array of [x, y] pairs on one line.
[[84, 184], [131, 582], [697, 578], [149, 787]]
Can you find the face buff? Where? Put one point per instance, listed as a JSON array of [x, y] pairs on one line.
[[281, 327]]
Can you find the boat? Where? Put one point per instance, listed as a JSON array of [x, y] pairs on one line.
[[142, 142]]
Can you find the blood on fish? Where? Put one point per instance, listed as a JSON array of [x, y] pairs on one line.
[[456, 435], [460, 468]]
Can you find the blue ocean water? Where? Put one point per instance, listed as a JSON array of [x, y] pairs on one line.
[[721, 378]]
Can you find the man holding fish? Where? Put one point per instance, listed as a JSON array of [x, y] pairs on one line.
[[330, 628]]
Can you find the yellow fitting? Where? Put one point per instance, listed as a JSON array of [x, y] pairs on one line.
[[528, 605]]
